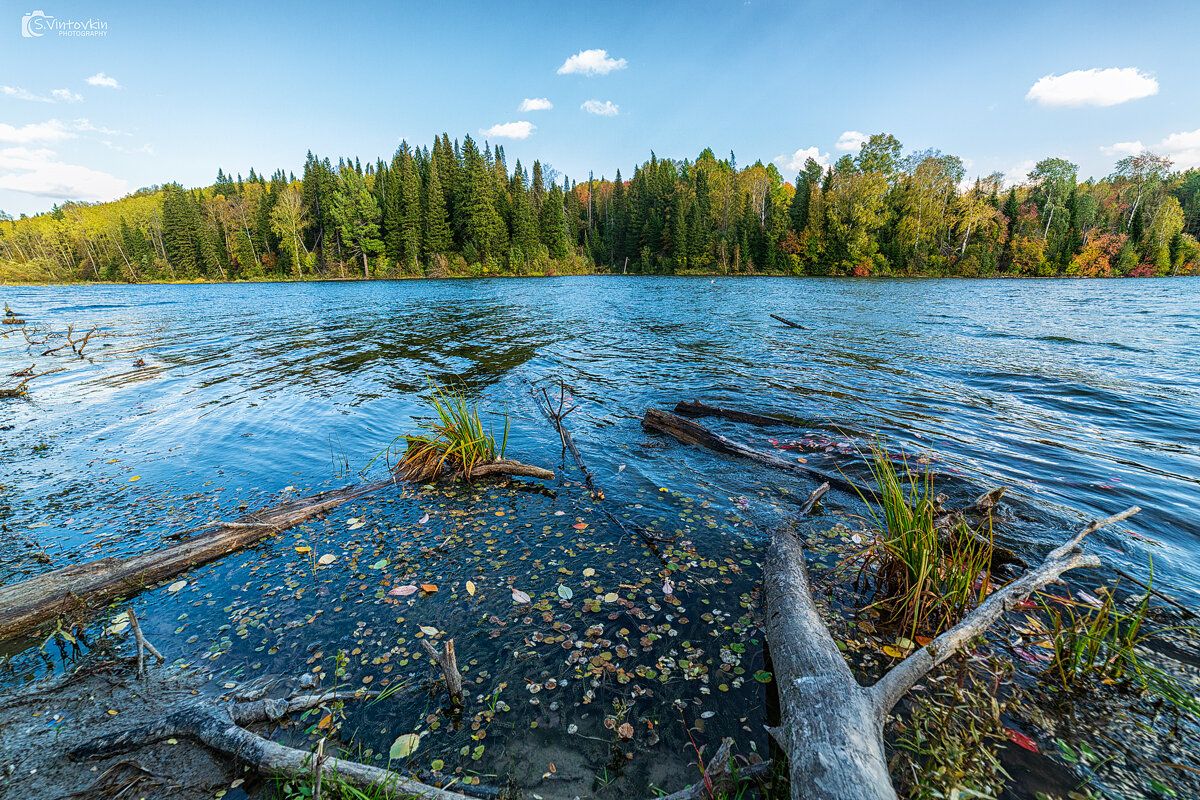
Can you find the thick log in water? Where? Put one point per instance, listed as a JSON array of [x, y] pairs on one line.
[[693, 433], [831, 727], [80, 588], [697, 409]]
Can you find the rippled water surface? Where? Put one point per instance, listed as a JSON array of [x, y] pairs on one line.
[[1083, 397]]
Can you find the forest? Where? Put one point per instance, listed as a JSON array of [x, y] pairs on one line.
[[457, 209]]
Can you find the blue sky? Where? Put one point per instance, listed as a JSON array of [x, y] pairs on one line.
[[178, 90]]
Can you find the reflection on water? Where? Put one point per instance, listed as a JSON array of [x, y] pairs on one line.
[[1083, 397]]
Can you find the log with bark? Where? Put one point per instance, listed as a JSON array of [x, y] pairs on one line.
[[831, 726], [688, 432], [79, 589]]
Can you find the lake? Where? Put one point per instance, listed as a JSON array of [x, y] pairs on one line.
[[1082, 397]]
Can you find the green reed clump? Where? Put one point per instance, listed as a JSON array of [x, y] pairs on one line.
[[928, 577], [455, 440], [1103, 643]]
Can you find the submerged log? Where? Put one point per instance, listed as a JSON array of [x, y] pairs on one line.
[[789, 323], [697, 409], [693, 433], [81, 588], [831, 727]]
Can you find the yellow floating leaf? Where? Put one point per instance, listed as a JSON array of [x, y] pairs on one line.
[[327, 559], [471, 588], [429, 630], [304, 549], [404, 746], [135, 478], [176, 586]]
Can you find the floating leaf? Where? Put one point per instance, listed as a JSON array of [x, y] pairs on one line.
[[625, 731], [519, 596], [404, 746], [429, 587], [611, 597], [303, 549], [380, 564], [894, 652], [589, 572], [355, 526], [403, 591], [579, 526], [429, 630], [762, 676], [668, 587], [565, 592], [423, 520], [1020, 739], [176, 586], [437, 765], [135, 478], [471, 588], [327, 559]]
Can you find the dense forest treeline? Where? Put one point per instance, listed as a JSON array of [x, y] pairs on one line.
[[458, 209]]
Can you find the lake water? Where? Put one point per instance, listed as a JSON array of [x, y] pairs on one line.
[[1082, 397]]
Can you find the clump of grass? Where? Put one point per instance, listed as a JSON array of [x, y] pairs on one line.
[[1102, 643], [928, 578], [453, 441]]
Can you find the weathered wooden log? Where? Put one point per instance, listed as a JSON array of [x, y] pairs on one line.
[[221, 728], [697, 409], [831, 726], [693, 433], [81, 588], [447, 661], [506, 466], [789, 323]]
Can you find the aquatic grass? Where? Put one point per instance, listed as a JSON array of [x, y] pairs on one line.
[[928, 578], [1102, 643], [455, 440]]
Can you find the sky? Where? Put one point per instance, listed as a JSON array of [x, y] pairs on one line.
[[174, 91]]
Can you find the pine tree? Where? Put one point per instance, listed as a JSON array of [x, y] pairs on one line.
[[438, 240]]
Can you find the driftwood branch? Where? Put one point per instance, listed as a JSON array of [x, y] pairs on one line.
[[219, 729], [789, 323], [892, 686], [80, 588], [688, 432], [447, 661], [20, 390], [720, 777], [831, 726], [142, 645], [813, 498], [506, 466]]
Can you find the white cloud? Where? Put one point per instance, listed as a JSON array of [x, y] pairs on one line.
[[591, 62], [40, 173], [52, 131], [1019, 172], [851, 141], [57, 95], [1182, 148], [795, 162], [83, 124], [606, 108], [510, 130], [143, 149], [536, 104], [100, 79], [1122, 149], [1093, 87]]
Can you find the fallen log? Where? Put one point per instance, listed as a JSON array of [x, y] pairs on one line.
[[969, 519], [789, 323], [831, 726], [81, 588], [693, 433], [697, 409], [506, 466], [223, 729]]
